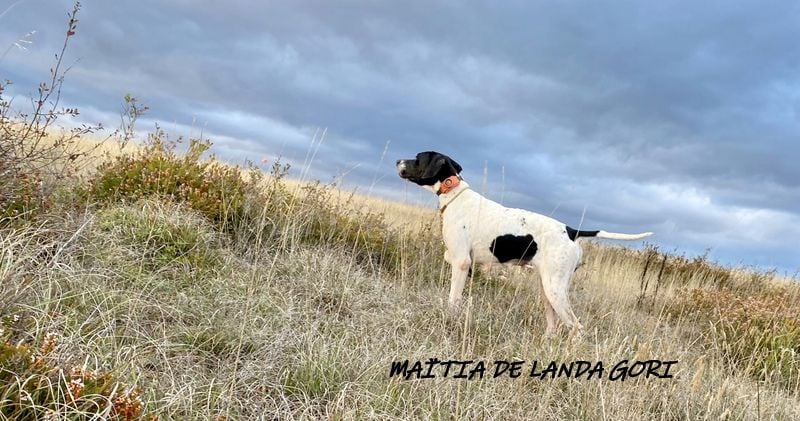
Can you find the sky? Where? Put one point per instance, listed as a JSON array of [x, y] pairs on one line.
[[678, 117]]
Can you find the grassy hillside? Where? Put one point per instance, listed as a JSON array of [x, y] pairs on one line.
[[165, 285]]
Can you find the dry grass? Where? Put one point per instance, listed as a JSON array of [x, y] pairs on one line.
[[304, 330], [132, 306], [140, 299]]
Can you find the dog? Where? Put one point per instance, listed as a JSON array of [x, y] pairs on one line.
[[477, 230]]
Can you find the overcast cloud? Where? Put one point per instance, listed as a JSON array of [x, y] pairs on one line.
[[676, 117]]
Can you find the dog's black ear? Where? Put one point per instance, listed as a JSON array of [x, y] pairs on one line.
[[434, 166], [455, 165]]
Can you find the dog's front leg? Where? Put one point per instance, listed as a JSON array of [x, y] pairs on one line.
[[460, 267], [458, 254]]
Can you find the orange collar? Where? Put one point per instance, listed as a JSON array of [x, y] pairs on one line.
[[448, 184]]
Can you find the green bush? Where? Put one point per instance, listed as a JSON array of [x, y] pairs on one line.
[[215, 190]]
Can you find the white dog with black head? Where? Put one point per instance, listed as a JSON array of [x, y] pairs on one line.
[[478, 230]]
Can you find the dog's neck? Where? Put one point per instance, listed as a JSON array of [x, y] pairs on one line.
[[448, 184], [448, 196]]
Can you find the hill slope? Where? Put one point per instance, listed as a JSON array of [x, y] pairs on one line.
[[295, 305]]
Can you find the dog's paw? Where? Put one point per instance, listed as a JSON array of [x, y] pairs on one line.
[[576, 332], [454, 306]]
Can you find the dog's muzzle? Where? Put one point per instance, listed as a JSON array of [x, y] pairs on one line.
[[401, 168]]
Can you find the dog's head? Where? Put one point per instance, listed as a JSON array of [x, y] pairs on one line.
[[428, 169]]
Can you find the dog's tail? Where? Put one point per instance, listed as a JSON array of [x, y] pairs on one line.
[[575, 234]]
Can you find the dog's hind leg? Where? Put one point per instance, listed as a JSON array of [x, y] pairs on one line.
[[549, 316], [556, 292], [555, 285]]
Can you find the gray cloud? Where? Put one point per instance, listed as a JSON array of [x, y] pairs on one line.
[[677, 117]]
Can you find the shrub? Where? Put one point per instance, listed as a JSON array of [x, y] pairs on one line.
[[244, 205], [323, 221], [34, 385], [699, 270], [217, 191], [33, 157], [318, 218], [759, 334]]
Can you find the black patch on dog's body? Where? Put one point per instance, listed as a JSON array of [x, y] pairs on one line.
[[573, 234], [510, 247]]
